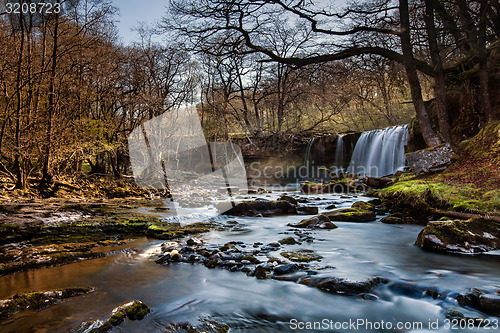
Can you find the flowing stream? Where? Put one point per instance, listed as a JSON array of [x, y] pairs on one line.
[[183, 292]]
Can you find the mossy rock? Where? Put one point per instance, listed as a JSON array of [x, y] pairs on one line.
[[471, 236], [250, 258], [312, 222], [351, 215], [363, 205], [287, 241], [393, 219], [261, 207], [37, 300], [301, 255]]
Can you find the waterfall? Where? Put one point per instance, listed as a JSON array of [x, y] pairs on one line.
[[307, 158], [339, 153], [380, 152]]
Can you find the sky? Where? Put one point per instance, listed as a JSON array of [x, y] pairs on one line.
[[134, 11]]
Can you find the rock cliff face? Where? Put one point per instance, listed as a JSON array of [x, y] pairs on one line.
[[430, 160]]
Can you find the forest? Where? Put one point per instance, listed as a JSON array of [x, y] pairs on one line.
[[71, 92]]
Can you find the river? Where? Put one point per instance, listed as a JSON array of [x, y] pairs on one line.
[[183, 292]]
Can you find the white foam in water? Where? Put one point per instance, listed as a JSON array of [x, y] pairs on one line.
[[380, 152]]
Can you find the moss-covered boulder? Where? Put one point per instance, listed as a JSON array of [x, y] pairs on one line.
[[471, 236], [393, 219], [301, 255], [262, 207], [363, 205], [312, 222], [135, 310], [351, 215], [287, 241], [288, 198]]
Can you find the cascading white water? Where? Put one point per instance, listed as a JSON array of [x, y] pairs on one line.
[[307, 159], [339, 152], [380, 152]]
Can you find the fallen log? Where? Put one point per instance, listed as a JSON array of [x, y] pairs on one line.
[[467, 215]]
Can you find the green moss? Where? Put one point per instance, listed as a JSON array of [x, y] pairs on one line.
[[288, 241], [137, 310], [301, 255], [250, 258], [441, 195]]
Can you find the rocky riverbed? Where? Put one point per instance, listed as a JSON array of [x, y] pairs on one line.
[[278, 260]]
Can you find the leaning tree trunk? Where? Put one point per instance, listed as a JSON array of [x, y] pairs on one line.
[[430, 137]]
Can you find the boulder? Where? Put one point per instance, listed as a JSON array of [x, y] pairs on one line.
[[307, 210], [430, 160], [363, 205], [351, 215], [488, 304], [471, 236], [288, 241], [341, 286], [393, 219], [288, 198], [261, 207], [286, 269], [312, 222], [379, 182]]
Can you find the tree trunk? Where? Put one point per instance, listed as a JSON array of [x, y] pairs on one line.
[[46, 174], [439, 80], [483, 63], [430, 137], [17, 154]]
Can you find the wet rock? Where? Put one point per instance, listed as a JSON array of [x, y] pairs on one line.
[[286, 269], [375, 202], [260, 272], [430, 160], [288, 198], [471, 236], [213, 263], [301, 255], [135, 310], [169, 246], [274, 245], [351, 215], [328, 225], [264, 208], [363, 205], [307, 210], [488, 304], [379, 182], [175, 255], [311, 222], [288, 241], [193, 241], [37, 300], [392, 219], [251, 259], [341, 286], [332, 206], [369, 297], [311, 187], [163, 259], [226, 247]]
